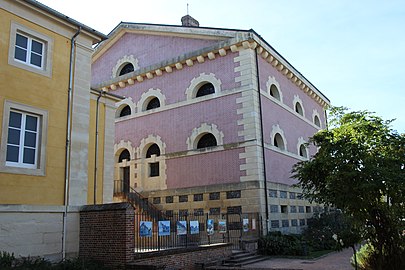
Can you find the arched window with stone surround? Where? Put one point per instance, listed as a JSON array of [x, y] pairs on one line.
[[205, 89], [153, 150], [207, 140], [278, 141], [153, 103], [127, 68], [126, 110], [303, 151], [317, 122], [274, 92], [298, 109]]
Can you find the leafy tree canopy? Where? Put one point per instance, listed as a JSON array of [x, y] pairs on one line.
[[359, 168]]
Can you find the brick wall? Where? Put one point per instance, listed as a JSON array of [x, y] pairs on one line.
[[107, 233], [182, 259]]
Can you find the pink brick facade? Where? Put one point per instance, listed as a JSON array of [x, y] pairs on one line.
[[171, 64]]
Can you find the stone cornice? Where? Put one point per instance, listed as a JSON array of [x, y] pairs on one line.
[[241, 41]]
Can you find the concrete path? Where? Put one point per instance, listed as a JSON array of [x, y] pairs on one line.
[[332, 261]]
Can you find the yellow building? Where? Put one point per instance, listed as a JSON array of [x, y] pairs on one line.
[[56, 134]]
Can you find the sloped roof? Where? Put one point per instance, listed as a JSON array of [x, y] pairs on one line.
[[227, 39]]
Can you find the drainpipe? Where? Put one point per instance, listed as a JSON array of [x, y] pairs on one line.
[[266, 200], [68, 134], [96, 149]]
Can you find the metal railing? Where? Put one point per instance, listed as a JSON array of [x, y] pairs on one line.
[[182, 231], [140, 203]]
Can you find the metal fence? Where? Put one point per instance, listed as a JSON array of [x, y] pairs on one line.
[[182, 231]]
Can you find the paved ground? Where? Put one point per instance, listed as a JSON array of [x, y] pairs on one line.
[[332, 261]]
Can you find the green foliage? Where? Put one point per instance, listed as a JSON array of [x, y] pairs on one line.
[[331, 230], [6, 259], [9, 262], [368, 258], [276, 243], [359, 168]]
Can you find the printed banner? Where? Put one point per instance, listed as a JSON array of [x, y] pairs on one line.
[[145, 228], [164, 227]]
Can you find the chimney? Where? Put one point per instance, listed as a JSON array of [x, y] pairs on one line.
[[189, 21]]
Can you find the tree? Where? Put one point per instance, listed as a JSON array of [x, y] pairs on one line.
[[359, 168]]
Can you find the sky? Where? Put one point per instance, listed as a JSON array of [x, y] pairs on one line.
[[352, 51]]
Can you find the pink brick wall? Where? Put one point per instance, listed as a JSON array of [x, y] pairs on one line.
[[148, 49], [174, 85], [289, 89], [204, 169]]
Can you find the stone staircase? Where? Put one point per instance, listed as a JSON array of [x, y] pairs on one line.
[[238, 259]]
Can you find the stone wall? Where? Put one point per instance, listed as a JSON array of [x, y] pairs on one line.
[[28, 230]]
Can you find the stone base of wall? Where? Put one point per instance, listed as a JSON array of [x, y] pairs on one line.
[[189, 258], [36, 230]]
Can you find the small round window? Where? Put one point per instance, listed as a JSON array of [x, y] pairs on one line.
[[153, 104]]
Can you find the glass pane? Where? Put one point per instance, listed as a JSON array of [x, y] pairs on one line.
[[21, 41], [36, 60], [15, 120], [30, 139], [13, 136], [20, 54], [37, 47], [29, 156], [31, 123], [12, 153]]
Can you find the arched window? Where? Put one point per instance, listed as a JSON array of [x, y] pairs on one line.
[[153, 166], [153, 150], [298, 109], [207, 140], [303, 151], [205, 89], [317, 122], [278, 141], [125, 111], [127, 68], [153, 104], [274, 92], [124, 155]]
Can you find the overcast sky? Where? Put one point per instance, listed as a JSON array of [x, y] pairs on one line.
[[353, 51]]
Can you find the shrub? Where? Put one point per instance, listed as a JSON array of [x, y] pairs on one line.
[[276, 243], [6, 260], [368, 258]]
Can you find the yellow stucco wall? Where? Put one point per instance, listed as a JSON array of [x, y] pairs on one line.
[[47, 93]]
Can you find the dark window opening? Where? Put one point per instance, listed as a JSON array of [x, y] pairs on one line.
[[303, 151], [126, 69], [154, 169], [274, 92], [153, 104], [317, 121], [124, 155], [207, 140], [298, 108], [278, 141], [153, 150], [205, 89], [125, 111]]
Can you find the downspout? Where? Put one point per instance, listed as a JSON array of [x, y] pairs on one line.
[[68, 134], [96, 148], [266, 200]]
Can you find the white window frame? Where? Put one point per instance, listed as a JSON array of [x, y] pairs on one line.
[[47, 48], [29, 51], [40, 156]]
